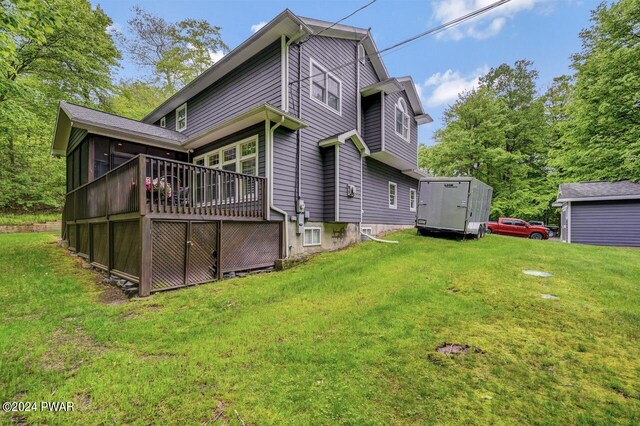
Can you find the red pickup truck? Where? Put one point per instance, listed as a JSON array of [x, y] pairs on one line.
[[517, 228]]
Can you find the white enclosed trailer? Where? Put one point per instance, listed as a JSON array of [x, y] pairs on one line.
[[460, 205]]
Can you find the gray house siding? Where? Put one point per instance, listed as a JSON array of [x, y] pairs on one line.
[[329, 176], [394, 143], [258, 129], [376, 178], [349, 174], [611, 223], [372, 121], [284, 170], [255, 82], [323, 122]]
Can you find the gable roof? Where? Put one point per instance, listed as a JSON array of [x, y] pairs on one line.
[[341, 139], [103, 123], [598, 191], [106, 124], [393, 85], [286, 23]]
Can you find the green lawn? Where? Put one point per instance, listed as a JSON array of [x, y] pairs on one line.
[[28, 219], [349, 337]]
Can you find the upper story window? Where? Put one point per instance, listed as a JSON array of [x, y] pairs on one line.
[[325, 87], [402, 119], [163, 122], [393, 195], [181, 117]]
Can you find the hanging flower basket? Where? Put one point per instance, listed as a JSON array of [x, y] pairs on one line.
[[159, 186]]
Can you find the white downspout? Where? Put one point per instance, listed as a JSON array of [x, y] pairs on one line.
[[269, 142]]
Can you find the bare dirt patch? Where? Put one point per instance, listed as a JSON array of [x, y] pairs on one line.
[[457, 349]]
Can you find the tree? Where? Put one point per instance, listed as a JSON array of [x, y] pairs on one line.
[[601, 138], [135, 99], [174, 53], [498, 134], [51, 50]]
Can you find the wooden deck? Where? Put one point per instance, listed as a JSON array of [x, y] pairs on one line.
[[169, 189], [166, 224]]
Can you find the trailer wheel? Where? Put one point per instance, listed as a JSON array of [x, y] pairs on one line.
[[481, 232], [536, 236]]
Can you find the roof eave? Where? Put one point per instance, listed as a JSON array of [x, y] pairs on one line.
[[228, 63], [607, 198], [245, 119]]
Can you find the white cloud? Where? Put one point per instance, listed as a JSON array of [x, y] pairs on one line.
[[114, 28], [216, 55], [444, 88], [256, 27], [484, 26]]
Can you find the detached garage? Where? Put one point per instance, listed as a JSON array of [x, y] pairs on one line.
[[600, 213]]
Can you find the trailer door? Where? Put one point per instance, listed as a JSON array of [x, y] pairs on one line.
[[445, 204]]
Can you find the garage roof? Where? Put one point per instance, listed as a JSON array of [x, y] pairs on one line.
[[598, 191]]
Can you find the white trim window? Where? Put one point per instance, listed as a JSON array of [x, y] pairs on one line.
[[163, 122], [181, 117], [412, 199], [393, 195], [240, 157], [402, 119], [325, 88], [312, 237]]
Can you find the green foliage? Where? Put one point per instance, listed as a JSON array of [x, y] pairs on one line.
[[600, 137], [135, 99], [347, 338], [498, 134], [51, 50], [174, 53]]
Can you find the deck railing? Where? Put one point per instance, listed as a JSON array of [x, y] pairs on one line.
[[154, 185]]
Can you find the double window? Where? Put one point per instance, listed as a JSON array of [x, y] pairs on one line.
[[181, 117], [325, 87], [393, 195], [402, 119]]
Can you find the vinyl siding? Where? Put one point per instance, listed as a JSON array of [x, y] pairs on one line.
[[284, 170], [606, 223], [258, 129], [372, 122], [376, 177], [349, 159], [253, 83], [323, 122], [329, 176], [394, 143]]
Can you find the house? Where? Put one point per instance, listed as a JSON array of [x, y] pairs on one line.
[[600, 213], [296, 141]]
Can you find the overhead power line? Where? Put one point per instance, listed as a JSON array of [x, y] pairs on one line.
[[434, 30], [346, 17]]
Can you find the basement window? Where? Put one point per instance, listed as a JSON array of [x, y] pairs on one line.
[[181, 117], [312, 237]]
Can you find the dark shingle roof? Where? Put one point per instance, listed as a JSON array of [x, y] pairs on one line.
[[580, 190], [90, 116]]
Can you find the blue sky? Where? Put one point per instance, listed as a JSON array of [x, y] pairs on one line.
[[544, 31]]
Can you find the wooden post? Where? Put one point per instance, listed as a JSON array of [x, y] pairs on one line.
[[142, 191], [146, 242]]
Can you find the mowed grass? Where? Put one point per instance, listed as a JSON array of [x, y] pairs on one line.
[[349, 338]]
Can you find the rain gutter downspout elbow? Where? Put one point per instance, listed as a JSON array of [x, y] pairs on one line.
[[270, 177]]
